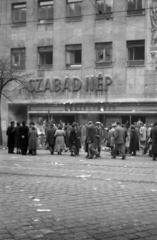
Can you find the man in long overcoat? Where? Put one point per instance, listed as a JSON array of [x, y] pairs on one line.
[[153, 136], [50, 137], [120, 139], [11, 137], [90, 140], [24, 138]]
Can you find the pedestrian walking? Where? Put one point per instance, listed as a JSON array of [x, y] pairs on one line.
[[60, 140], [73, 141], [143, 137], [11, 137], [153, 136], [24, 138], [17, 138], [98, 138], [119, 138], [90, 140], [32, 139], [134, 141], [50, 137], [111, 141]]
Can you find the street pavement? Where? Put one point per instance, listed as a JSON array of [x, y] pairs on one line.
[[47, 197]]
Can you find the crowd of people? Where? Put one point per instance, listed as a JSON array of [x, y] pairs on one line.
[[120, 139]]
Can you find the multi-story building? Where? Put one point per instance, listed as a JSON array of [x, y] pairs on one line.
[[90, 59]]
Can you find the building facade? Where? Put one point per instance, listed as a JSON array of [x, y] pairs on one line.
[[88, 59]]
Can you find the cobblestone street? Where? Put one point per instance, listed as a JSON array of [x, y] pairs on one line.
[[66, 198]]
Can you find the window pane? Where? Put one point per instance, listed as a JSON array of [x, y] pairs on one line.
[[45, 11], [139, 53], [103, 52], [73, 55], [77, 56], [131, 4], [100, 6], [45, 56], [74, 9], [18, 58], [19, 13]]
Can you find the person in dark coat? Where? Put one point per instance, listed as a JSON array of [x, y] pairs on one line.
[[32, 139], [73, 141], [153, 135], [11, 137], [120, 139], [17, 138], [24, 138], [134, 141], [50, 137], [90, 140]]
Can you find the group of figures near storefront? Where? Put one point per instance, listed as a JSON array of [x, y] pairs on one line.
[[61, 137]]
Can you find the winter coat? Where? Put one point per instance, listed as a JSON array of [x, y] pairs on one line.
[[32, 142], [134, 141], [50, 136], [120, 135], [153, 135], [60, 140]]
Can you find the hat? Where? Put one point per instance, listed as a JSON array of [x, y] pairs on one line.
[[98, 123], [114, 125]]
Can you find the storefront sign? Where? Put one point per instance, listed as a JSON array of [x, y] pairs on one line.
[[71, 84]]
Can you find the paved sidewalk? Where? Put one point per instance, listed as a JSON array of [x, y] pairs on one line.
[[66, 198]]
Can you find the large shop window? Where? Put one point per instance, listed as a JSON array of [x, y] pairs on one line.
[[73, 8], [19, 13], [73, 55], [136, 52], [45, 11], [136, 7], [45, 57], [104, 9], [18, 58], [103, 54]]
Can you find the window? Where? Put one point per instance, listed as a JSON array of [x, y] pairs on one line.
[[136, 52], [18, 13], [45, 55], [45, 11], [74, 8], [104, 8], [18, 58], [135, 7], [73, 55], [103, 54]]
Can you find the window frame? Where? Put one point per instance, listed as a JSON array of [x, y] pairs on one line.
[[105, 45], [73, 17], [105, 14], [134, 44], [71, 48], [44, 49], [41, 7], [15, 6], [22, 55], [137, 11]]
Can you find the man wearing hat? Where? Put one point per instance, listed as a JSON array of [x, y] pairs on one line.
[[11, 137], [111, 141], [98, 138]]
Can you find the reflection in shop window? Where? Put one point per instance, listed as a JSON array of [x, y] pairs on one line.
[[103, 53], [135, 7], [73, 8], [45, 11], [73, 55], [104, 8], [136, 52], [18, 13], [18, 58], [45, 56]]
